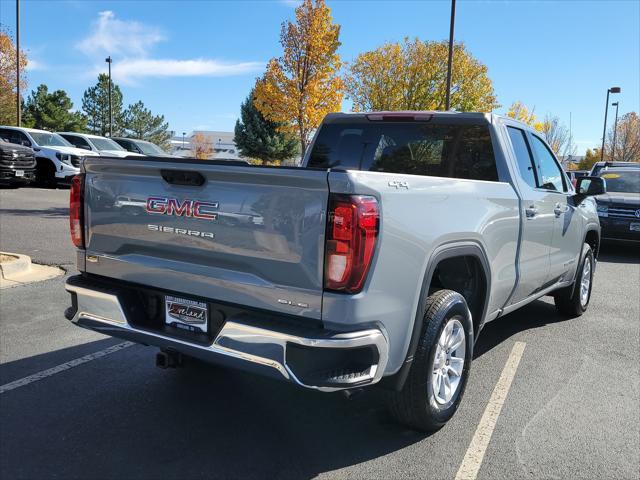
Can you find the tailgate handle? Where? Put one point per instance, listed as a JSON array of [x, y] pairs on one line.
[[182, 177]]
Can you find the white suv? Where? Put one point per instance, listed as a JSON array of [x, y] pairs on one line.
[[57, 160], [95, 143]]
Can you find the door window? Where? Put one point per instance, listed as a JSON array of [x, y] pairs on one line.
[[78, 142], [523, 156], [551, 175]]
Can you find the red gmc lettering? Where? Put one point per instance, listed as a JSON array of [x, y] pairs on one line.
[[173, 208], [203, 210], [186, 208], [157, 205]]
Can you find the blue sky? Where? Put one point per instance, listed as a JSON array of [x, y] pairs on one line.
[[195, 61]]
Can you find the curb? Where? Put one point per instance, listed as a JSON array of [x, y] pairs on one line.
[[22, 271], [15, 267]]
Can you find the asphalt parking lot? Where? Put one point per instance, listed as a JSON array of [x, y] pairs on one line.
[[572, 411]]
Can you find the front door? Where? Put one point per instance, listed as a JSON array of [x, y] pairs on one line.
[[538, 224], [566, 242]]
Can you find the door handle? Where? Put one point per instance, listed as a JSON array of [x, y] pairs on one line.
[[559, 209], [531, 211]]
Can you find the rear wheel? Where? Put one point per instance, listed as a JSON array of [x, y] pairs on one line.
[[45, 174], [440, 368], [574, 300]]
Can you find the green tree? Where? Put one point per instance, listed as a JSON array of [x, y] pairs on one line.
[[591, 157], [139, 122], [257, 137], [95, 105], [52, 111]]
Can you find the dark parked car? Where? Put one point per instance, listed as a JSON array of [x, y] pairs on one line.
[[619, 208], [598, 167], [17, 164]]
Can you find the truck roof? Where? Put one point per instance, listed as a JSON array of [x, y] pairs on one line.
[[478, 116]]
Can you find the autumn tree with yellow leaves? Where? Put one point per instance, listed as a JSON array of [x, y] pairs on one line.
[[519, 111], [301, 87], [201, 146], [412, 76], [8, 78]]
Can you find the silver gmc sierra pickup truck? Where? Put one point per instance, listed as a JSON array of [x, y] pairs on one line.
[[376, 262]]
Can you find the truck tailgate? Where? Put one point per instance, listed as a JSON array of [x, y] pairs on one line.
[[252, 236]]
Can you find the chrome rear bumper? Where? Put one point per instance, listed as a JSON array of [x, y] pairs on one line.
[[241, 342]]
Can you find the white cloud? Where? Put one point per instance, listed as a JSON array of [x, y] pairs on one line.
[[33, 65], [131, 43], [119, 37], [131, 69]]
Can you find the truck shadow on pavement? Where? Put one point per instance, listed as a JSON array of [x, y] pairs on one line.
[[53, 212], [535, 315], [121, 417], [619, 252]]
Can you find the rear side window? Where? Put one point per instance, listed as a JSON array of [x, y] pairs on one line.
[[415, 148], [523, 156]]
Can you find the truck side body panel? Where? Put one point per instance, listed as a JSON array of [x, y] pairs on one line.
[[415, 220]]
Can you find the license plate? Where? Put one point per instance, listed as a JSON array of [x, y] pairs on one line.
[[186, 314], [19, 173], [634, 227]]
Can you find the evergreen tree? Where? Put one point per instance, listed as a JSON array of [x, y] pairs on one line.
[[139, 122], [52, 111], [259, 138], [95, 105]]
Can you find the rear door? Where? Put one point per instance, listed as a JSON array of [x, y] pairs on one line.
[[246, 235], [538, 219]]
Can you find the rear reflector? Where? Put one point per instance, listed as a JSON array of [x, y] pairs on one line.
[[351, 240], [76, 211]]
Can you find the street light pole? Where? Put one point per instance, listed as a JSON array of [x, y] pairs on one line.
[[18, 97], [606, 110], [450, 61], [108, 60], [615, 131], [183, 134]]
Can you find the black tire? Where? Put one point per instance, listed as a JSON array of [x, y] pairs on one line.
[[45, 174], [569, 300], [415, 405]]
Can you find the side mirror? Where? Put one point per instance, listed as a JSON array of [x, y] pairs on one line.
[[588, 186]]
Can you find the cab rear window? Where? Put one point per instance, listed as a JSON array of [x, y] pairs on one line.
[[414, 148]]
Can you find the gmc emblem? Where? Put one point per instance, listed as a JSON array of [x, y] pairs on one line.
[[186, 208]]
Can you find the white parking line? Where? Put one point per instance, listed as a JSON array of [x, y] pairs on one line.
[[62, 367], [477, 448]]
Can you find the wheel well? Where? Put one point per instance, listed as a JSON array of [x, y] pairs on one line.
[[594, 241], [42, 162], [466, 276]]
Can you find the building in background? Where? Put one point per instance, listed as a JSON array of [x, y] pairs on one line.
[[222, 144]]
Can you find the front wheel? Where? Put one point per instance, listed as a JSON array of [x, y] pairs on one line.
[[574, 300], [45, 174], [440, 368]]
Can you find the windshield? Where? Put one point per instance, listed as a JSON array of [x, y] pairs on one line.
[[105, 144], [149, 148], [45, 139], [624, 182]]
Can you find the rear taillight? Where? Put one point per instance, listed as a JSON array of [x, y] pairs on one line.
[[76, 214], [352, 231]]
